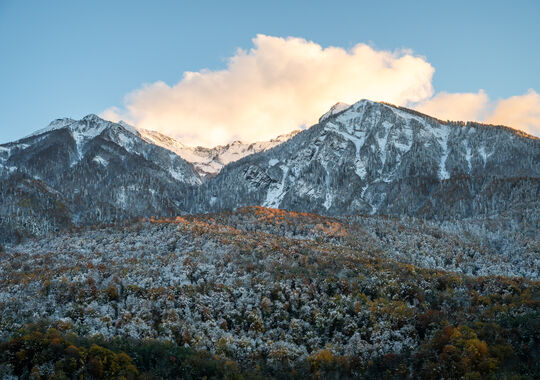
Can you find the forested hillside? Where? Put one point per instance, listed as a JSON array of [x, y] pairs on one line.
[[270, 294]]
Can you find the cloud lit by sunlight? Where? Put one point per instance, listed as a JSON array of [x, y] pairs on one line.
[[519, 112], [456, 106], [522, 112], [277, 86], [282, 84]]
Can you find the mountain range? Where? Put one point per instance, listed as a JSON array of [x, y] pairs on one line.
[[368, 158]]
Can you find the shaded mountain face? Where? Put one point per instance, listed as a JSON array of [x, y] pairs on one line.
[[368, 158], [30, 207], [375, 158], [97, 171], [68, 145]]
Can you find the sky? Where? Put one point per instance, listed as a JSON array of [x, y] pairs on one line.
[[209, 72]]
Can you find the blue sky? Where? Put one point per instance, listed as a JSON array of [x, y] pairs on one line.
[[72, 58]]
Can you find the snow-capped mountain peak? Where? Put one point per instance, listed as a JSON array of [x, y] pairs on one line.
[[53, 125], [88, 127], [91, 139], [336, 108], [61, 123], [389, 132], [92, 118]]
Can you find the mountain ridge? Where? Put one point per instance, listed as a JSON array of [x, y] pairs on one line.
[[367, 158], [432, 157], [209, 161]]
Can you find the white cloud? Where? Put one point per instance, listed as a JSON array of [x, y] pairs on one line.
[[276, 87], [521, 112], [456, 106], [282, 84]]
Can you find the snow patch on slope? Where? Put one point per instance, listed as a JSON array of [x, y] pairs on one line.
[[328, 197], [483, 154], [100, 160], [358, 139], [468, 156], [442, 134], [382, 141], [276, 192]]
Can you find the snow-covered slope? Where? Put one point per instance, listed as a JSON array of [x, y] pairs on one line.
[[335, 109], [209, 161], [92, 170]]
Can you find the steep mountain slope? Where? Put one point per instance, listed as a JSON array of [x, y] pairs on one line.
[[209, 161], [30, 207], [102, 171], [380, 159]]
